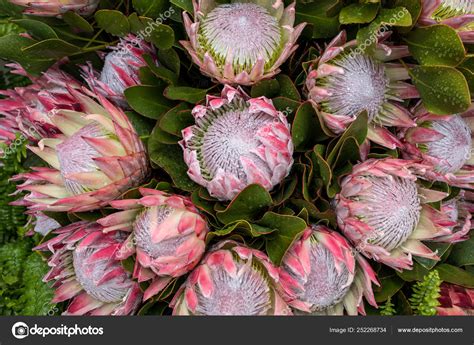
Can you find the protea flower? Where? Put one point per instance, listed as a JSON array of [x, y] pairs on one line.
[[167, 236], [385, 213], [459, 14], [445, 143], [322, 274], [241, 42], [27, 110], [85, 271], [456, 300], [237, 141], [120, 70], [459, 210], [231, 280], [97, 157], [343, 82], [55, 8]]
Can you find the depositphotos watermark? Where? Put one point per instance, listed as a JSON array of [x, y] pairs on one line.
[[21, 330]]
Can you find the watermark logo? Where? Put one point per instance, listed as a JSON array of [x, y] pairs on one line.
[[20, 330]]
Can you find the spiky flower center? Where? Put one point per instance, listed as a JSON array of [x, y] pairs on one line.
[[144, 227], [90, 272], [454, 149], [325, 285], [362, 87], [453, 8], [246, 293], [224, 136], [392, 210], [242, 32], [76, 156], [115, 61]]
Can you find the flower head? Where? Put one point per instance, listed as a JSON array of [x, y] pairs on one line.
[[167, 235], [97, 157], [231, 280], [120, 70], [55, 8], [445, 143], [459, 14], [455, 300], [322, 274], [241, 42], [344, 82], [237, 141], [85, 271], [27, 110], [385, 213]]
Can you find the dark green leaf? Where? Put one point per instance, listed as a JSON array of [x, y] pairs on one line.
[[147, 101]]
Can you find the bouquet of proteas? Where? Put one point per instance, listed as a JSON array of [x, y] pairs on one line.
[[202, 157]]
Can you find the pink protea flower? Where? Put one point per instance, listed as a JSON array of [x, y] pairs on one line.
[[167, 236], [241, 42], [120, 70], [343, 82], [55, 8], [455, 300], [322, 274], [237, 141], [27, 110], [97, 157], [231, 280], [445, 143], [85, 271], [385, 213], [459, 211], [459, 14]]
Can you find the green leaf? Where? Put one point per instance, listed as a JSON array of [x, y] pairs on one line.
[[305, 129], [319, 14], [150, 8], [288, 88], [177, 119], [416, 274], [170, 59], [77, 23], [358, 13], [186, 5], [436, 45], [52, 48], [161, 35], [248, 205], [252, 230], [185, 93], [414, 7], [463, 253], [160, 71], [269, 88], [113, 22], [143, 126], [444, 90], [389, 286], [170, 159], [455, 275], [287, 231], [147, 100], [37, 29]]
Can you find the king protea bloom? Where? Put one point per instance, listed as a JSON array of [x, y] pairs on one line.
[[343, 83], [241, 42], [231, 280], [167, 234], [27, 110], [459, 14], [445, 143], [455, 300], [322, 274], [385, 213], [97, 157], [459, 210], [237, 141], [85, 271], [54, 8], [120, 70]]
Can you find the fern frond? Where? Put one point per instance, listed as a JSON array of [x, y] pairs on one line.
[[424, 299]]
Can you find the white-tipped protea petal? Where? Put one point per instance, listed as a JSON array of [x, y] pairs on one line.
[[237, 141], [86, 272], [56, 8], [231, 280], [241, 42]]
